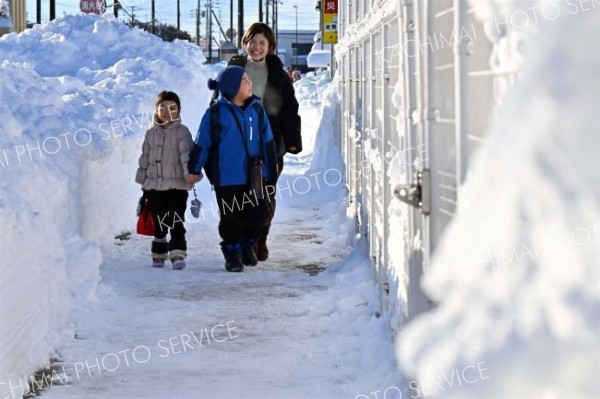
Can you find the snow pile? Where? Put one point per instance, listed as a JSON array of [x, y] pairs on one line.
[[76, 97], [352, 300], [5, 21], [4, 9], [516, 276], [314, 93]]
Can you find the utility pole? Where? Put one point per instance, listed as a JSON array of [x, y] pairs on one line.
[[198, 24], [52, 10], [322, 27], [210, 38], [260, 11], [178, 16], [207, 36], [38, 10], [153, 16], [240, 22], [276, 23], [296, 7], [231, 20], [267, 22]]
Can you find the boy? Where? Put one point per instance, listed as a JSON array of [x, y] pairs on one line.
[[234, 143]]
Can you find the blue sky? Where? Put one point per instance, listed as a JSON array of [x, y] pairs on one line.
[[166, 11]]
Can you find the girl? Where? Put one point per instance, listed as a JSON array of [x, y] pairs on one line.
[[162, 173], [234, 145]]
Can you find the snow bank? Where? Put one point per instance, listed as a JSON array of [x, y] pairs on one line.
[[5, 21], [516, 276], [314, 93], [76, 97], [319, 59], [351, 298], [4, 9]]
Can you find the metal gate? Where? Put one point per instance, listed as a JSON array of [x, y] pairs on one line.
[[440, 55]]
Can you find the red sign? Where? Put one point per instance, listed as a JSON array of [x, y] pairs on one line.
[[92, 6], [331, 7]]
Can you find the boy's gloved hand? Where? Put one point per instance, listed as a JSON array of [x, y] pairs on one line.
[[193, 179]]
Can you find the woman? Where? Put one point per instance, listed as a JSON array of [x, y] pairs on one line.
[[271, 83]]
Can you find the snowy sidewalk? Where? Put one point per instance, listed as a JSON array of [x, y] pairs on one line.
[[285, 334]]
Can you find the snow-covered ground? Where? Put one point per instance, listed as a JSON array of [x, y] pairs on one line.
[[72, 292], [273, 331]]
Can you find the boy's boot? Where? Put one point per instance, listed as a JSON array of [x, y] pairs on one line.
[[233, 257], [261, 249], [160, 249], [248, 255]]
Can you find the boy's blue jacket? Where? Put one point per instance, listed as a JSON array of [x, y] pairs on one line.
[[222, 154]]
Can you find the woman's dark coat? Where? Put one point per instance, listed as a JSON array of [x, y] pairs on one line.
[[280, 103]]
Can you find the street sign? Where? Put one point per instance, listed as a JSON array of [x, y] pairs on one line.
[[92, 6], [331, 7], [330, 32]]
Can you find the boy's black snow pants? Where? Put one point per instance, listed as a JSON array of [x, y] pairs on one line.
[[242, 214]]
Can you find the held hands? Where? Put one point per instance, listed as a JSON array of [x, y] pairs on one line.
[[193, 179]]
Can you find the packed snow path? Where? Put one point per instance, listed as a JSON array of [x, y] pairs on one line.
[[296, 335], [284, 333]]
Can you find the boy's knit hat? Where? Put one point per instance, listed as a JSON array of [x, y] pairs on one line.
[[228, 81]]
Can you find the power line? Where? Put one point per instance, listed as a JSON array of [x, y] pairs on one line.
[[166, 11]]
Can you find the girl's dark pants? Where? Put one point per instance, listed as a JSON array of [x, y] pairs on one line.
[[168, 208]]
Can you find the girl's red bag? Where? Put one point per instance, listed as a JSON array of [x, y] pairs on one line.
[[145, 223]]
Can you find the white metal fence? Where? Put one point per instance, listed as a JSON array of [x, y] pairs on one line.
[[437, 55]]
